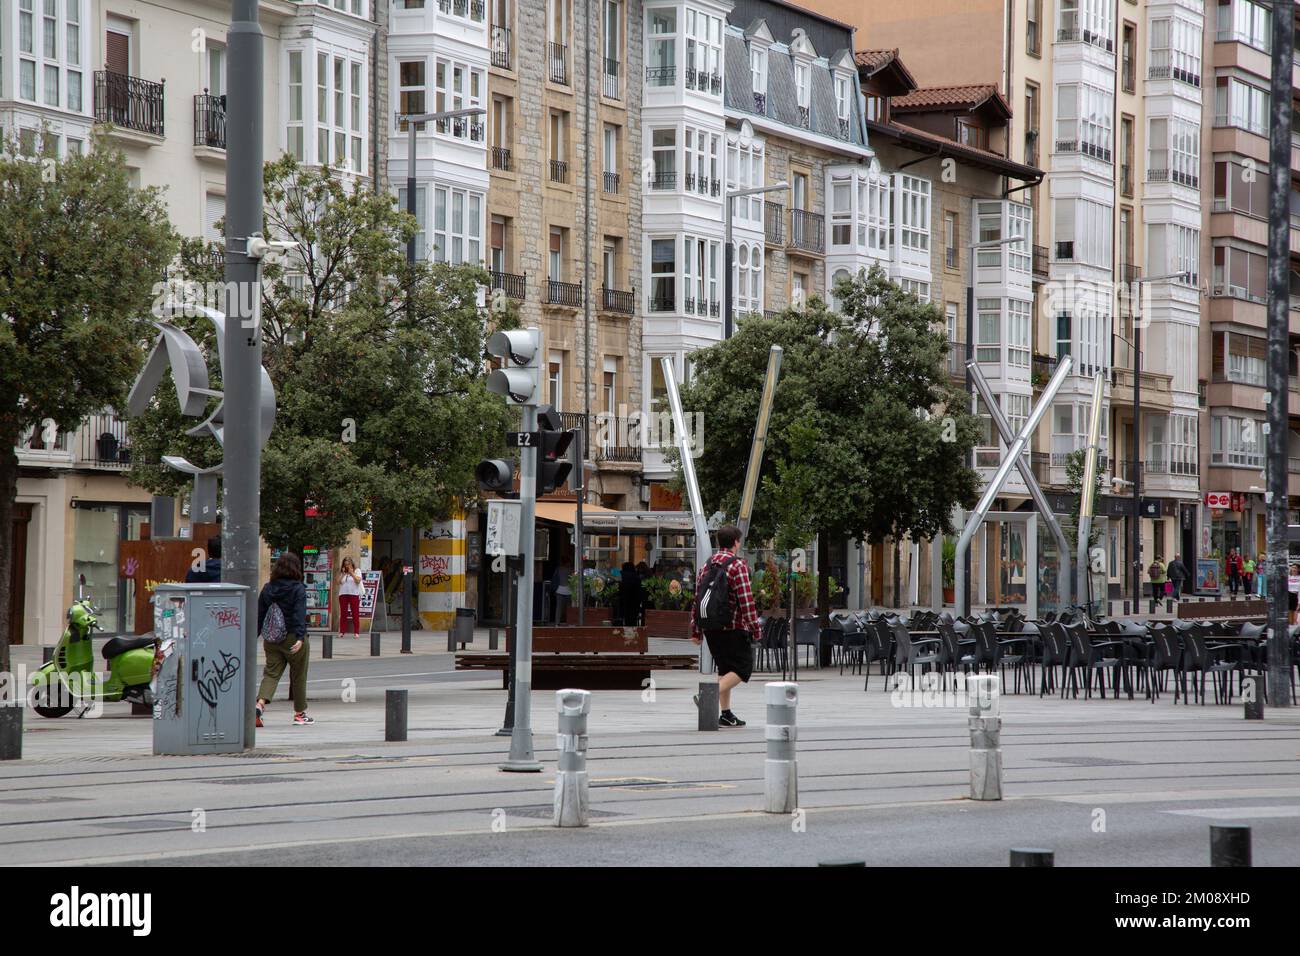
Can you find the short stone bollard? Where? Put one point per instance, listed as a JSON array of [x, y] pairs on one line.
[[395, 709], [1230, 845], [1252, 695], [573, 707], [451, 639], [707, 701], [374, 643], [327, 646], [1032, 856], [781, 770], [984, 693]]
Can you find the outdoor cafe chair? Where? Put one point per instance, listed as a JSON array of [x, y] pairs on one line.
[[1167, 656], [1087, 655], [1218, 661], [954, 651], [910, 651]]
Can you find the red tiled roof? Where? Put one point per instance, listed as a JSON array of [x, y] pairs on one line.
[[950, 98], [946, 146], [874, 59]]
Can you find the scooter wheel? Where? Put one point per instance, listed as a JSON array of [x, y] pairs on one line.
[[40, 699]]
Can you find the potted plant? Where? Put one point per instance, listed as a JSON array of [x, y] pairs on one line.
[[949, 571], [600, 592], [668, 607]]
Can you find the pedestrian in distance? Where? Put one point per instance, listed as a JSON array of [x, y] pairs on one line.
[[1156, 573], [349, 599], [1248, 575], [1177, 574], [1293, 590], [211, 573], [1261, 577], [282, 626], [1234, 571], [631, 596], [725, 616], [563, 593]]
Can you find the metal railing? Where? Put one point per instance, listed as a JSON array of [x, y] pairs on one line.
[[1174, 176], [661, 304], [760, 104], [774, 222], [559, 170], [563, 293], [210, 120], [804, 116], [501, 158], [129, 102], [664, 180], [617, 300], [609, 84], [950, 255], [558, 60], [807, 230], [502, 48], [844, 129], [516, 287], [611, 183], [661, 75], [104, 442]]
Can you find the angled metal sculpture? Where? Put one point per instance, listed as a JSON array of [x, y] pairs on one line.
[[1014, 451], [1027, 475], [760, 442], [175, 350], [1088, 495]]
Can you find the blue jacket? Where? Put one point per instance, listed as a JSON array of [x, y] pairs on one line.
[[211, 573]]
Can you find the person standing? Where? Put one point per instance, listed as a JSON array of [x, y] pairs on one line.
[[1234, 571], [349, 599], [563, 593], [732, 647], [1156, 573], [1293, 590], [284, 636], [1261, 577], [1248, 575], [211, 573], [631, 596], [1177, 573]]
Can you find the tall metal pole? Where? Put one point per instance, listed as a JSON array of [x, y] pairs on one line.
[[726, 274], [521, 757], [586, 307], [408, 557], [759, 443], [579, 532], [963, 605], [1087, 495], [1279, 288], [1135, 532], [241, 544]]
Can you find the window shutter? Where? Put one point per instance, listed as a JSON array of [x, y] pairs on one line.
[[117, 52], [214, 211]]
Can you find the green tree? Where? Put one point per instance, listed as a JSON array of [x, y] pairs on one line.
[[381, 404], [868, 437], [1074, 462], [81, 253]]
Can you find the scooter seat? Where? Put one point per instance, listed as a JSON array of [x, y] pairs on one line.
[[120, 645]]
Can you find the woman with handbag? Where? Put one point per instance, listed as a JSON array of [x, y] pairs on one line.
[[282, 626]]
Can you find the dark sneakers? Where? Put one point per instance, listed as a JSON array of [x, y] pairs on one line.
[[728, 719]]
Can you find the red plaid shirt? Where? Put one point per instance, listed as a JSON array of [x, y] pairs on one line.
[[741, 594]]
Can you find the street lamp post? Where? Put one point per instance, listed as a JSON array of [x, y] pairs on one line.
[[726, 226], [412, 120], [971, 249]]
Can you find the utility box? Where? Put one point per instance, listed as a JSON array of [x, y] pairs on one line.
[[198, 683]]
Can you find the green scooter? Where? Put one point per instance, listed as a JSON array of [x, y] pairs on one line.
[[71, 678]]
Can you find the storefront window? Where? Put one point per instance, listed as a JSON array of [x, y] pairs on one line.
[[98, 531]]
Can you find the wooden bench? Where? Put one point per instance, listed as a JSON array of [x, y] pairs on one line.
[[594, 658], [1244, 610]]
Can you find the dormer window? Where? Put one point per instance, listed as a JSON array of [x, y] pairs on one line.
[[842, 98], [971, 133], [758, 77], [803, 84]]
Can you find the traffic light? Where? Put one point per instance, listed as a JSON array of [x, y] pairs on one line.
[[552, 443], [520, 378], [495, 474]]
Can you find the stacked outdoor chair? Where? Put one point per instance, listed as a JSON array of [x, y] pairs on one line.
[[1091, 657]]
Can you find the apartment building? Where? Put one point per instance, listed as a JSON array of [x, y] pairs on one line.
[[1233, 341], [155, 76], [1107, 97]]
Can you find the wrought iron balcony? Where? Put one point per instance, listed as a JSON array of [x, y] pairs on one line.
[[664, 180], [774, 222], [210, 120], [564, 293], [609, 83], [502, 48], [104, 442], [611, 183], [558, 57], [760, 104], [663, 303], [501, 158], [559, 169], [616, 300], [661, 75], [804, 116], [516, 287], [129, 102], [807, 230]]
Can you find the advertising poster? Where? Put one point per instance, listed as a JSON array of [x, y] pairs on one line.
[[1207, 574], [372, 585], [317, 577]]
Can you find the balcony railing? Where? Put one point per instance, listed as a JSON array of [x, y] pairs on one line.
[[760, 104], [33, 449], [609, 86], [844, 129], [661, 75], [664, 180], [502, 48], [210, 120], [804, 116], [501, 158], [1040, 260], [558, 57], [616, 300], [564, 293], [516, 287], [774, 222], [1164, 72], [950, 257], [1174, 176], [807, 230], [611, 183], [559, 170], [129, 102], [104, 442], [663, 303]]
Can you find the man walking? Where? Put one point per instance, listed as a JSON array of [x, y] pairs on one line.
[[1234, 571], [1177, 573], [732, 642]]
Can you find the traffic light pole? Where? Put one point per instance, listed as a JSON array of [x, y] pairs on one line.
[[521, 758]]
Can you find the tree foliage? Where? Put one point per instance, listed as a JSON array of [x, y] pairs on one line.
[[377, 365], [80, 254], [868, 437]]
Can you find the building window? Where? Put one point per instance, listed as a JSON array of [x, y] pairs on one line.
[[950, 234], [989, 331], [1083, 231], [663, 275], [59, 81], [410, 94], [458, 86], [1239, 191], [703, 52], [340, 124], [914, 213], [1240, 104], [613, 48], [842, 90], [663, 152], [802, 84], [758, 70], [1240, 358], [555, 380], [798, 290], [876, 207], [916, 287], [555, 258], [1240, 273], [841, 212], [1246, 22], [1236, 441], [661, 58], [457, 226], [1128, 58], [1174, 249], [1174, 151], [1031, 124], [1018, 335], [1084, 119], [296, 146], [745, 171], [1176, 50], [1033, 27]]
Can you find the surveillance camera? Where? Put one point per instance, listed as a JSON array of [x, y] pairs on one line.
[[272, 250]]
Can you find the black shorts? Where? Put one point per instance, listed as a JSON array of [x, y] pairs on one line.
[[733, 652], [1291, 600]]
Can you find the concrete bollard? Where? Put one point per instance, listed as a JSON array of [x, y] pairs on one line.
[[47, 653], [983, 693], [1252, 694], [1230, 845], [374, 643], [451, 639], [1032, 856], [573, 707], [707, 699], [395, 708], [327, 646], [781, 769]]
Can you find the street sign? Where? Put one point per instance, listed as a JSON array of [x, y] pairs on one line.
[[1218, 499], [502, 535], [521, 439]]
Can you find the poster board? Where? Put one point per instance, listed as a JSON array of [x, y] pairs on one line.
[[1207, 575], [372, 591], [318, 578]]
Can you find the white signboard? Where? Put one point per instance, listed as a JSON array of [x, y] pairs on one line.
[[502, 528]]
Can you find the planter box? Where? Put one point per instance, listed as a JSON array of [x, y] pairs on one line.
[[670, 624], [596, 616]]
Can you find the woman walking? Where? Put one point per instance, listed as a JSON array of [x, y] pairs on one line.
[[1261, 577], [349, 599], [1248, 574], [282, 625]]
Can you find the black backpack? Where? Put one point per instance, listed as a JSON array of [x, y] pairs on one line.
[[713, 607]]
